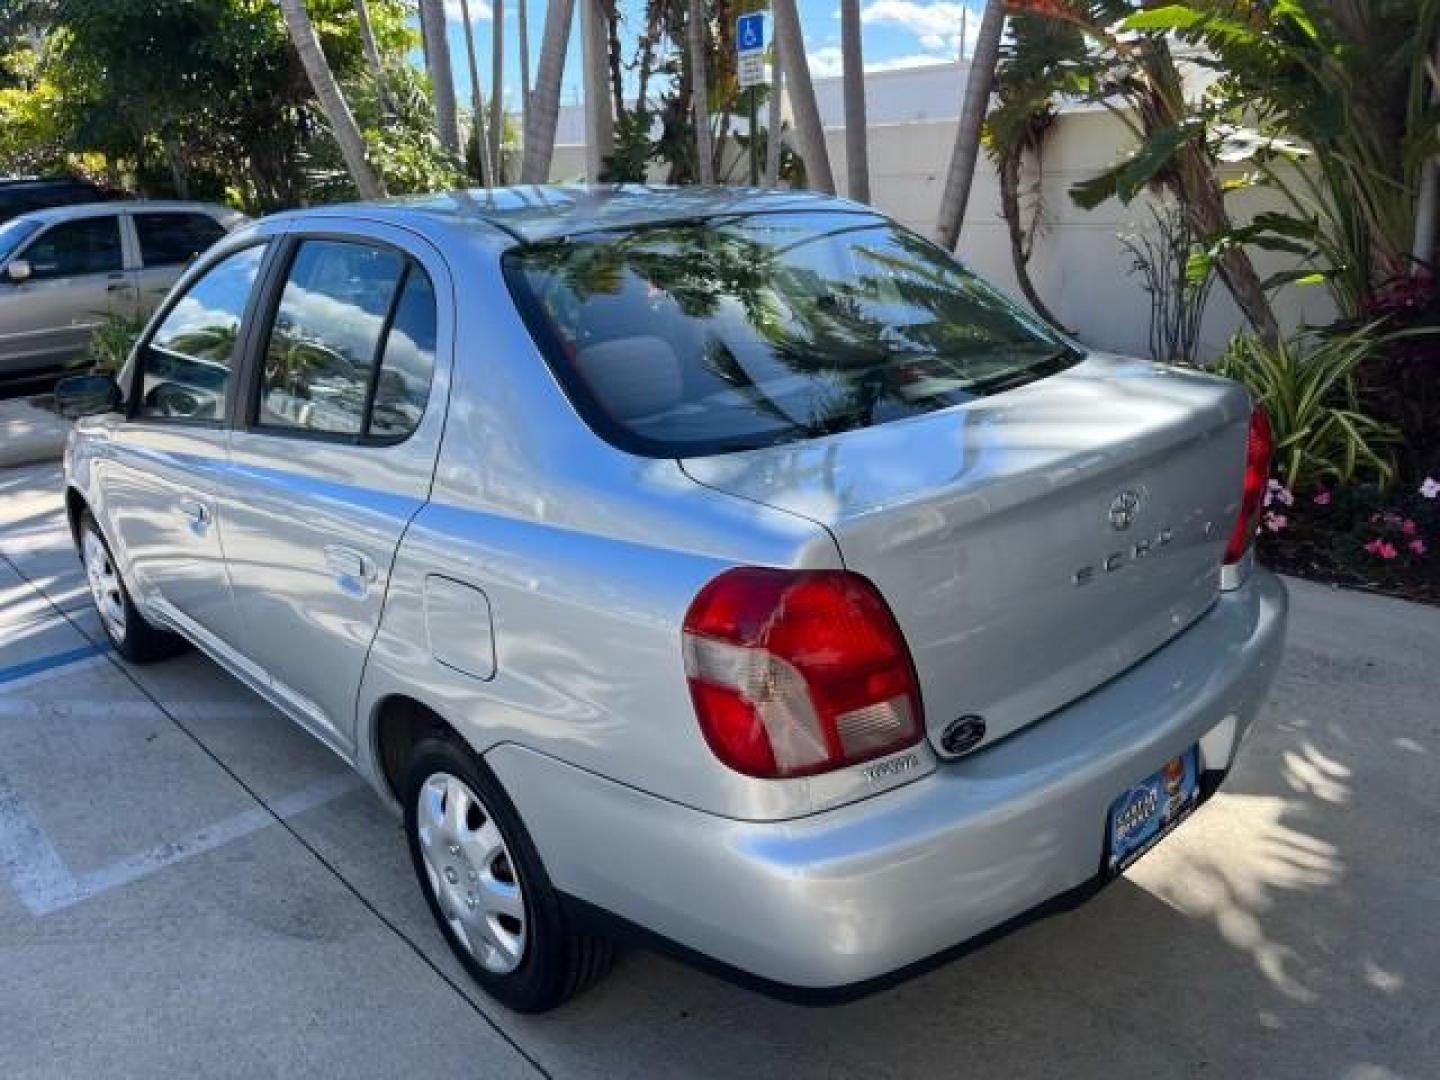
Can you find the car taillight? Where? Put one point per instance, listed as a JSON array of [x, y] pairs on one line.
[[1258, 449], [795, 672]]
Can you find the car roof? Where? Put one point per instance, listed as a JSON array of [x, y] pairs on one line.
[[537, 213], [49, 214]]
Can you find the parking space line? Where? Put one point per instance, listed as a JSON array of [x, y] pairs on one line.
[[36, 872], [49, 663]]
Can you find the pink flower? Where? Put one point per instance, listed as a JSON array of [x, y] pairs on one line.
[[1408, 527], [1381, 549], [1430, 488], [1322, 497], [1278, 492], [1275, 522], [1417, 546]]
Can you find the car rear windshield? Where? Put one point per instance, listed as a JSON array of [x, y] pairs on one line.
[[731, 333]]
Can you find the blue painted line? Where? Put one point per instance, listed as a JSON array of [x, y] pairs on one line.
[[47, 663]]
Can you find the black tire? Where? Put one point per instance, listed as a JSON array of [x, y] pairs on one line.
[[557, 963], [137, 640]]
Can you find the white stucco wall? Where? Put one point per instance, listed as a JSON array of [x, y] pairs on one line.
[[1079, 266]]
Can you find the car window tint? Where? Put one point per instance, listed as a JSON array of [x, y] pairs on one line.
[[185, 367], [407, 362], [84, 246], [167, 239], [323, 342]]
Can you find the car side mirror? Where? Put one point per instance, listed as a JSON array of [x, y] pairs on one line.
[[87, 395], [18, 270]]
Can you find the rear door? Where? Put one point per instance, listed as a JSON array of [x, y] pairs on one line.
[[334, 456], [78, 277], [168, 241]]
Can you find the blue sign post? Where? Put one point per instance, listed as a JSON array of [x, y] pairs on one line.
[[750, 72]]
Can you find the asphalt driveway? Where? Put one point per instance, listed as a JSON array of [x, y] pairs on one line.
[[189, 886]]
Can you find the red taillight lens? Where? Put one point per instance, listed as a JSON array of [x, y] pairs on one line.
[[1258, 449], [798, 672]]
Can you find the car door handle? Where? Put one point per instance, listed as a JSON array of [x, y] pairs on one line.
[[347, 562], [119, 286], [196, 511]]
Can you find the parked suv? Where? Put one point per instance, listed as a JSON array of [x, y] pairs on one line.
[[728, 568], [19, 195], [64, 270]]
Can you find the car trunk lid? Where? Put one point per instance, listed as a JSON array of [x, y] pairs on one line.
[[1033, 544]]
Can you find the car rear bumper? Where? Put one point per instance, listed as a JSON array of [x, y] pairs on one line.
[[841, 901]]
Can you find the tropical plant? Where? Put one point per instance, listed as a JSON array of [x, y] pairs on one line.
[[332, 101], [110, 343], [978, 85], [442, 77], [545, 100], [697, 55], [497, 89], [1040, 60], [857, 150], [809, 135], [1167, 259], [1308, 386]]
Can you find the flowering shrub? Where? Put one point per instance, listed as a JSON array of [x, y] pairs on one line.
[[1357, 535]]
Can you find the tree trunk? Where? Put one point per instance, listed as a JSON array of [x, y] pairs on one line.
[[442, 76], [372, 52], [972, 120], [1019, 255], [545, 101], [179, 169], [1427, 204], [790, 44], [595, 68], [699, 90], [857, 152], [497, 91], [477, 101], [524, 29], [332, 101], [774, 143]]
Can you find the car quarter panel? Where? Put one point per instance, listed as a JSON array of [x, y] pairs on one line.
[[857, 892]]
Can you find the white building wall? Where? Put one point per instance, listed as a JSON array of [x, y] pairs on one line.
[[1079, 265]]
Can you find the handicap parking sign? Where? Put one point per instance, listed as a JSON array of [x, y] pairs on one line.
[[750, 33]]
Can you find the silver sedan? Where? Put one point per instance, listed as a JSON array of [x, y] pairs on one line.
[[730, 569]]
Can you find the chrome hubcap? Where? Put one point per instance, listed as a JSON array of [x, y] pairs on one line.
[[471, 874], [104, 585]]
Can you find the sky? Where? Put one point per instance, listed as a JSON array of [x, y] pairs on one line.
[[896, 33]]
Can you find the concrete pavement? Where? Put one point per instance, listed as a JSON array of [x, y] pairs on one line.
[[29, 434], [190, 886]]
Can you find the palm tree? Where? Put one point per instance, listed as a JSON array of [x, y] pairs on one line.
[[497, 91], [524, 29], [477, 103], [545, 101], [972, 120], [699, 89], [774, 146], [372, 51], [442, 78], [332, 101], [857, 151], [790, 44]]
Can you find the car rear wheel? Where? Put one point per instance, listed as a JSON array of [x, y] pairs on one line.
[[130, 634], [486, 886]]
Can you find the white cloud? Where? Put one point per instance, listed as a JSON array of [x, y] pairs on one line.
[[936, 24], [480, 11]]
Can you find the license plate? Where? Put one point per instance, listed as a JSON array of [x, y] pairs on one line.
[[1150, 809]]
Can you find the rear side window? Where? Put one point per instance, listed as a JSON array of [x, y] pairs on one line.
[[172, 239], [730, 333], [352, 345], [73, 248], [185, 367]]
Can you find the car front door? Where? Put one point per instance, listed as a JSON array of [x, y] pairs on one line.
[[160, 468], [78, 277], [334, 457], [168, 241]]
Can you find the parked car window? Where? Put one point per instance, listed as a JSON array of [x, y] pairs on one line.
[[697, 337], [170, 238], [323, 344], [185, 366], [83, 246], [407, 363], [13, 233]]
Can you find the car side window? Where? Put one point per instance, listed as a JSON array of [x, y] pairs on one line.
[[84, 246], [351, 347], [185, 367], [169, 239]]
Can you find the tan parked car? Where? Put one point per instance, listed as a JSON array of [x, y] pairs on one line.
[[63, 270]]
